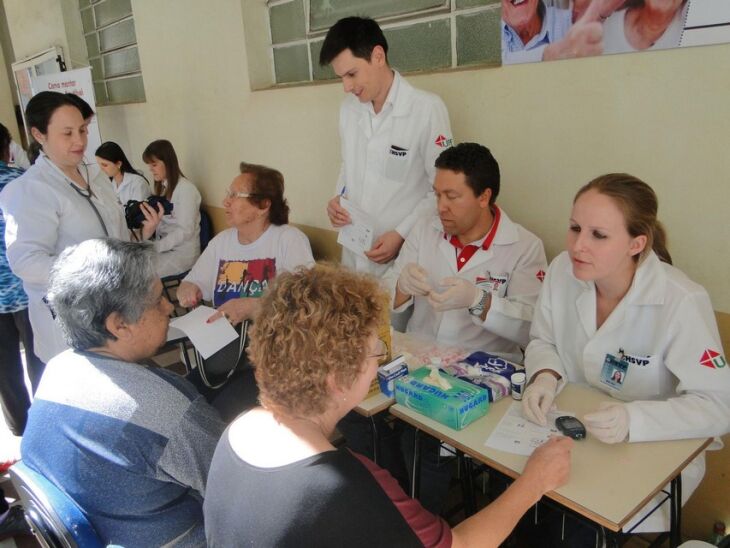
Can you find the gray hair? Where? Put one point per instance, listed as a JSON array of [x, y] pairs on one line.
[[96, 278]]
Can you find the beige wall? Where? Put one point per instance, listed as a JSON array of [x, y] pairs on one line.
[[662, 116], [7, 110]]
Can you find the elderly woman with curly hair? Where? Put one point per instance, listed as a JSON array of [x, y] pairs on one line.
[[276, 480]]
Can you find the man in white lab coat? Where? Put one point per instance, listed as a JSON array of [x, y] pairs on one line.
[[472, 276], [390, 135]]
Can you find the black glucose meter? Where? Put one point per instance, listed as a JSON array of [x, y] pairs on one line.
[[571, 427]]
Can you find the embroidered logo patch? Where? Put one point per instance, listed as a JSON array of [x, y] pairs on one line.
[[712, 359], [443, 142], [540, 275]]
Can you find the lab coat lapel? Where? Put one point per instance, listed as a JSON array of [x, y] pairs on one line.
[[586, 305]]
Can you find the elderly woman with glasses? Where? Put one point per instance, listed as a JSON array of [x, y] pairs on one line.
[[240, 262], [276, 479]]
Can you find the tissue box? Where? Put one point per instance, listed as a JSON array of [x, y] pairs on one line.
[[486, 370], [456, 407], [388, 373]]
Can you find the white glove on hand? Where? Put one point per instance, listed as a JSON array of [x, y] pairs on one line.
[[461, 293], [538, 398], [413, 280], [610, 423]]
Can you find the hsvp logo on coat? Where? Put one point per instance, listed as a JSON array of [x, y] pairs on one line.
[[712, 359]]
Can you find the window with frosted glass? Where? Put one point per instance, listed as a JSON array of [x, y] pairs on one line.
[[423, 35], [111, 43]]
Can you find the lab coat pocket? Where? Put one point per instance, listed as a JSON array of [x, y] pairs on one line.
[[645, 378], [397, 163]]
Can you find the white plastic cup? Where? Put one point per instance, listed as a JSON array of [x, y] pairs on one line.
[[518, 384]]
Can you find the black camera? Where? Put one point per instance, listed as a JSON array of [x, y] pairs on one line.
[[133, 212]]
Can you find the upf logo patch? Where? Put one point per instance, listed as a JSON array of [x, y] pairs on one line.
[[443, 142], [712, 359], [540, 275]]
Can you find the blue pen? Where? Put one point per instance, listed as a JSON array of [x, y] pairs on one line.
[[342, 192]]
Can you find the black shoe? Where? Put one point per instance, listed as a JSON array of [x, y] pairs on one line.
[[14, 524]]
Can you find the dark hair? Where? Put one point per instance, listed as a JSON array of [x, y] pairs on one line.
[[42, 105], [638, 203], [268, 185], [5, 139], [163, 151], [86, 110], [358, 34], [112, 152], [477, 164], [34, 150]]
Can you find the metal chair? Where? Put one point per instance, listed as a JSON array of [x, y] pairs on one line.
[[54, 517]]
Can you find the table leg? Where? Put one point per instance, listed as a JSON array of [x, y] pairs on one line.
[[416, 473], [675, 512], [467, 484], [376, 439]]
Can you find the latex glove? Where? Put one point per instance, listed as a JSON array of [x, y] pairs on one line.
[[538, 398], [460, 293], [610, 424], [413, 280]]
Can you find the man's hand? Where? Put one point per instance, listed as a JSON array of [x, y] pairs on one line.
[[549, 465], [610, 424], [584, 39], [460, 293], [152, 219], [413, 281], [538, 398], [338, 215], [385, 248], [188, 295], [237, 310]]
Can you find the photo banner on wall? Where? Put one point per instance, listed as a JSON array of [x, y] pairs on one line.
[[78, 82], [546, 30]]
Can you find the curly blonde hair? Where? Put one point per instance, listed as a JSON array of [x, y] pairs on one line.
[[313, 322]]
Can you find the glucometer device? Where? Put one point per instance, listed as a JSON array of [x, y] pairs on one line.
[[571, 427]]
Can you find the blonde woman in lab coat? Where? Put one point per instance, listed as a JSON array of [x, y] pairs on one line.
[[613, 302]]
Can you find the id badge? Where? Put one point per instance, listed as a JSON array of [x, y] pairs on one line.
[[613, 372]]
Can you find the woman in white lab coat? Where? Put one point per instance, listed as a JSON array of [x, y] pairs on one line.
[[613, 302], [127, 182], [178, 236], [57, 203]]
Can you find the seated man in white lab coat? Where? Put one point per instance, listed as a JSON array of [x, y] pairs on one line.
[[472, 275]]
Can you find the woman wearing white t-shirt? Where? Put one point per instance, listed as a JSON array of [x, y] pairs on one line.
[[127, 182], [238, 264], [178, 237]]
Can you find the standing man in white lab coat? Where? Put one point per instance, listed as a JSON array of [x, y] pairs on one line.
[[390, 133]]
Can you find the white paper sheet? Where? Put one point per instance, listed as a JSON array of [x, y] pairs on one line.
[[516, 434], [358, 235], [207, 338]]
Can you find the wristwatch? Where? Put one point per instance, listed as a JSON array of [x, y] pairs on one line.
[[478, 308]]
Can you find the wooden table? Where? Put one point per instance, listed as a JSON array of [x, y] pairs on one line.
[[608, 484]]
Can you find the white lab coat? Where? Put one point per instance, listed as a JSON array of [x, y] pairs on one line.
[[516, 258], [44, 215], [132, 187], [664, 326], [18, 156], [393, 185], [178, 235]]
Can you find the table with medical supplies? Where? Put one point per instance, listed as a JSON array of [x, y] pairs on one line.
[[608, 484]]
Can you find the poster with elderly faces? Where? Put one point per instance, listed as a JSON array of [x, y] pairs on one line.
[[546, 30]]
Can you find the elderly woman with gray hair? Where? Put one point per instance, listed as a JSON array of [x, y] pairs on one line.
[[101, 418]]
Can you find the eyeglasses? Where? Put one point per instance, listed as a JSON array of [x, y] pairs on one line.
[[380, 351], [231, 194]]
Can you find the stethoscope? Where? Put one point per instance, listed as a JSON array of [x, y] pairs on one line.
[[86, 194]]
